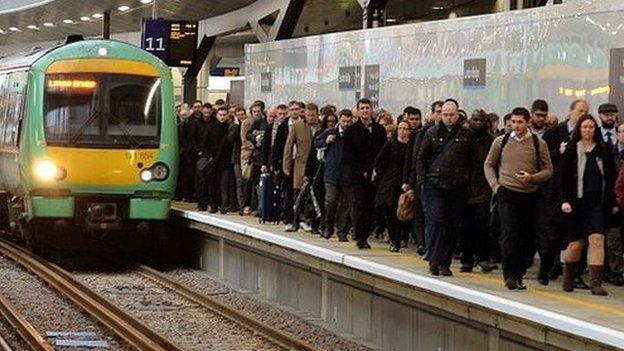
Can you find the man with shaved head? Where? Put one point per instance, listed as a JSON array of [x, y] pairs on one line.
[[445, 162]]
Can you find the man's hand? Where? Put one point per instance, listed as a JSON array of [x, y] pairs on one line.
[[562, 147], [405, 187], [287, 172], [526, 178], [566, 207], [330, 138], [264, 169]]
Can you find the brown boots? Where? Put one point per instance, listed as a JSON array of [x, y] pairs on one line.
[[595, 278], [569, 271]]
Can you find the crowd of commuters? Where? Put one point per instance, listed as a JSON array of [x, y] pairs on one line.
[[486, 195]]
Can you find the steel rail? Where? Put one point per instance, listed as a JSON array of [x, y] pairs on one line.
[[224, 310], [127, 327], [27, 331]]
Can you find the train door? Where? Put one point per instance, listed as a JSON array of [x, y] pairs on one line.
[[9, 128]]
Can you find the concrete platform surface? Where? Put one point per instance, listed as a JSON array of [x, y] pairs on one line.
[[578, 313]]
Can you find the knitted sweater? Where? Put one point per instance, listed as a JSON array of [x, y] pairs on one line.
[[517, 156]]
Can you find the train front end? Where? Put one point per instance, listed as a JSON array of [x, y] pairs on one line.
[[100, 143]]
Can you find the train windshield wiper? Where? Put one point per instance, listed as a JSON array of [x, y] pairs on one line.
[[74, 138], [134, 143]]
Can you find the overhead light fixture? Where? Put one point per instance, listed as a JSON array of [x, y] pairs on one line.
[[97, 15], [123, 8], [391, 20], [85, 18], [32, 26], [437, 8], [68, 21], [14, 29], [48, 24], [145, 1], [2, 31]]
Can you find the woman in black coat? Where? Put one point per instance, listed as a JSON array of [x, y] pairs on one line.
[[587, 191], [389, 167]]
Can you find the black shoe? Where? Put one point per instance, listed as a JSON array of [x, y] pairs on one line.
[[420, 250], [394, 248], [617, 280], [223, 210], [326, 235], [434, 270], [520, 285], [363, 245], [212, 210], [466, 267], [511, 284], [445, 271], [579, 283], [555, 271], [315, 231], [486, 266], [342, 238], [202, 208], [543, 280], [291, 228]]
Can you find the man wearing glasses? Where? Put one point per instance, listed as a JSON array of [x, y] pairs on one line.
[[539, 114]]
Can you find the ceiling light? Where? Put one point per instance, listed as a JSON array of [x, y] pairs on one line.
[[145, 1], [48, 24], [85, 18], [2, 31], [123, 8], [32, 26], [68, 21], [391, 20], [13, 29], [97, 15], [438, 8]]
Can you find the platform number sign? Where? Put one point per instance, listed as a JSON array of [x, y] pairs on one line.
[[155, 37]]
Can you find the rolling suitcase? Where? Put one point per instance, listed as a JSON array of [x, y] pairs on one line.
[[271, 199]]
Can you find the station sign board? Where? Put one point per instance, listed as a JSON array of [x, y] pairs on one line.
[[371, 84], [475, 73], [225, 72], [348, 77], [266, 82], [174, 42]]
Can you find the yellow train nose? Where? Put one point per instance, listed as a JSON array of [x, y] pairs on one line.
[[102, 166]]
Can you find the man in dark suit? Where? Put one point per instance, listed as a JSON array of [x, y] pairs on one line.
[[362, 142]]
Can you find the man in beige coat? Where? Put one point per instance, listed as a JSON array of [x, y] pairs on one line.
[[299, 143]]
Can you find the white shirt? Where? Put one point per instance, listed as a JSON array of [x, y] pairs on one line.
[[612, 134], [525, 136]]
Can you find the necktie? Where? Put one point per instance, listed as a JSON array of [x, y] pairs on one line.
[[609, 139]]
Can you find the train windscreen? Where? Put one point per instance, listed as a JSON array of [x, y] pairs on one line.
[[102, 110]]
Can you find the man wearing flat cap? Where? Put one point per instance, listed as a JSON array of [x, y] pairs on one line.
[[609, 117], [614, 236]]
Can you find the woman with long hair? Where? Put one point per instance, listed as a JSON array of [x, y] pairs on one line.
[[587, 190]]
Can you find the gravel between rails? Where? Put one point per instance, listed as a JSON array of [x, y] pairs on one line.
[[185, 323], [294, 325], [11, 336], [46, 309]]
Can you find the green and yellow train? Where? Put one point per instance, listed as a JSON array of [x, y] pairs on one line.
[[88, 140]]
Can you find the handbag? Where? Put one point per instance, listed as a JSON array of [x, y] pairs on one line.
[[405, 209]]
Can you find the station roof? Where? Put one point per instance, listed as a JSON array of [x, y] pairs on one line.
[[30, 21]]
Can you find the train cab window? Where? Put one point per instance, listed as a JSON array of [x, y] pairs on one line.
[[102, 110]]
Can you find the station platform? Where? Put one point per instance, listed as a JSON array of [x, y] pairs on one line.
[[542, 317]]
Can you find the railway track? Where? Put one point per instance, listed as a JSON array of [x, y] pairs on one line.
[[224, 310], [24, 328], [127, 327]]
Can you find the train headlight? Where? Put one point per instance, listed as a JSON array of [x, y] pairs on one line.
[[146, 175], [160, 171], [46, 170]]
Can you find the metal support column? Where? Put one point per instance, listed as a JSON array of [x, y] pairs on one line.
[[190, 77], [106, 23], [373, 13]]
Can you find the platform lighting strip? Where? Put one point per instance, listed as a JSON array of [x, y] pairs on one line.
[[68, 21]]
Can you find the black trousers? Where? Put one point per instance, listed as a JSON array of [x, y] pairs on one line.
[[550, 229], [337, 209], [206, 187], [362, 194], [446, 210], [226, 187], [289, 198], [250, 197], [186, 178], [475, 241], [517, 212]]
